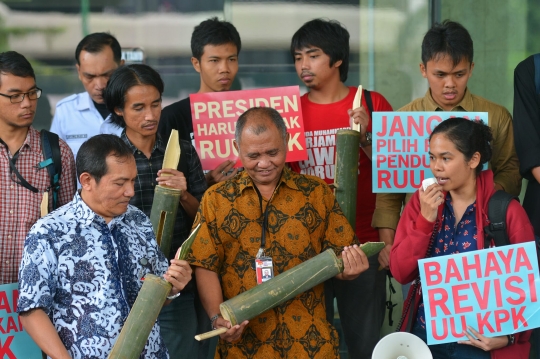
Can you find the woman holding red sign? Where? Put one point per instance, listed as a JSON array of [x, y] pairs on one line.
[[447, 218]]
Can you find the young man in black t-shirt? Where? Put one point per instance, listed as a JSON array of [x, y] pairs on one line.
[[215, 46]]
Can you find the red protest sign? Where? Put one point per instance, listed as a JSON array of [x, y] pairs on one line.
[[214, 121]]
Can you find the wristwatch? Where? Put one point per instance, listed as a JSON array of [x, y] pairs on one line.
[[174, 296], [511, 339], [213, 319], [368, 141]]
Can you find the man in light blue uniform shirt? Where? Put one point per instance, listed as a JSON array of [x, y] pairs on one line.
[[81, 116]]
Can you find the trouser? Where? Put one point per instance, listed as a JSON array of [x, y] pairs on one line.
[[361, 306], [178, 326], [207, 347]]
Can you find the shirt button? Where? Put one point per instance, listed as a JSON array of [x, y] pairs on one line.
[[11, 212], [11, 187], [139, 152], [9, 237], [7, 262]]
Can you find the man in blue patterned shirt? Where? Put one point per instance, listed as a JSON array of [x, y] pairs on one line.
[[83, 263]]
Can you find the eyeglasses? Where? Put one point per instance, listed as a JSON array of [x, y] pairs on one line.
[[17, 98]]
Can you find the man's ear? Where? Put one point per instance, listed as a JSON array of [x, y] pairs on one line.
[[338, 63], [423, 70], [119, 111], [78, 71], [235, 144], [196, 64], [85, 180]]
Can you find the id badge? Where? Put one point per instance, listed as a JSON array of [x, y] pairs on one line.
[[264, 269]]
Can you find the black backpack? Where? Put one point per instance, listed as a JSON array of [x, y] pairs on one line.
[[52, 159], [496, 229]]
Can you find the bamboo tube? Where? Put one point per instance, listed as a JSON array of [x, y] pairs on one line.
[[134, 334], [346, 175], [281, 288], [145, 310], [166, 199], [285, 286], [164, 209]]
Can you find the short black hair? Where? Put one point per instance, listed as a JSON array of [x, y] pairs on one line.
[[328, 35], [92, 156], [213, 32], [11, 62], [94, 43], [124, 78], [260, 113], [448, 38], [469, 137]]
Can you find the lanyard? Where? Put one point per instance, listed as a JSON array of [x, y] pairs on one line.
[[265, 214]]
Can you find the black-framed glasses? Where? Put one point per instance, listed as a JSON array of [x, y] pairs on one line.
[[17, 98]]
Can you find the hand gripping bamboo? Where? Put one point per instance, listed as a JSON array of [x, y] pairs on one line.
[[166, 199], [284, 286], [143, 315]]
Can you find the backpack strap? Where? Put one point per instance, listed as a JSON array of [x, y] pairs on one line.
[[369, 102], [52, 159], [496, 229], [537, 72]]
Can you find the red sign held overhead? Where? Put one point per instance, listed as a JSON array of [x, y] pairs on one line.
[[215, 114]]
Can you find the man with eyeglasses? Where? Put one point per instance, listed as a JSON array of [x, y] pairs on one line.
[[22, 182], [81, 116]]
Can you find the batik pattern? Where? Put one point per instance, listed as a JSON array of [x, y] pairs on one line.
[[86, 275], [304, 219]]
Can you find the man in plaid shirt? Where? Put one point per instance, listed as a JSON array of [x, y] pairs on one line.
[[133, 95], [22, 183]]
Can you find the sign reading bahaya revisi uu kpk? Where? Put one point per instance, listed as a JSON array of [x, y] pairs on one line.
[[494, 291]]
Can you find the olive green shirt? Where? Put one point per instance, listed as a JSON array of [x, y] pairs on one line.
[[504, 162]]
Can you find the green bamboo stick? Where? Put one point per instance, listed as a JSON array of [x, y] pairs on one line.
[[287, 285], [163, 215], [283, 287], [141, 318], [145, 310], [346, 176]]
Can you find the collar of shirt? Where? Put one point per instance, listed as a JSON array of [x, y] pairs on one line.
[[159, 144], [466, 104], [32, 141], [84, 102], [86, 215], [245, 180]]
